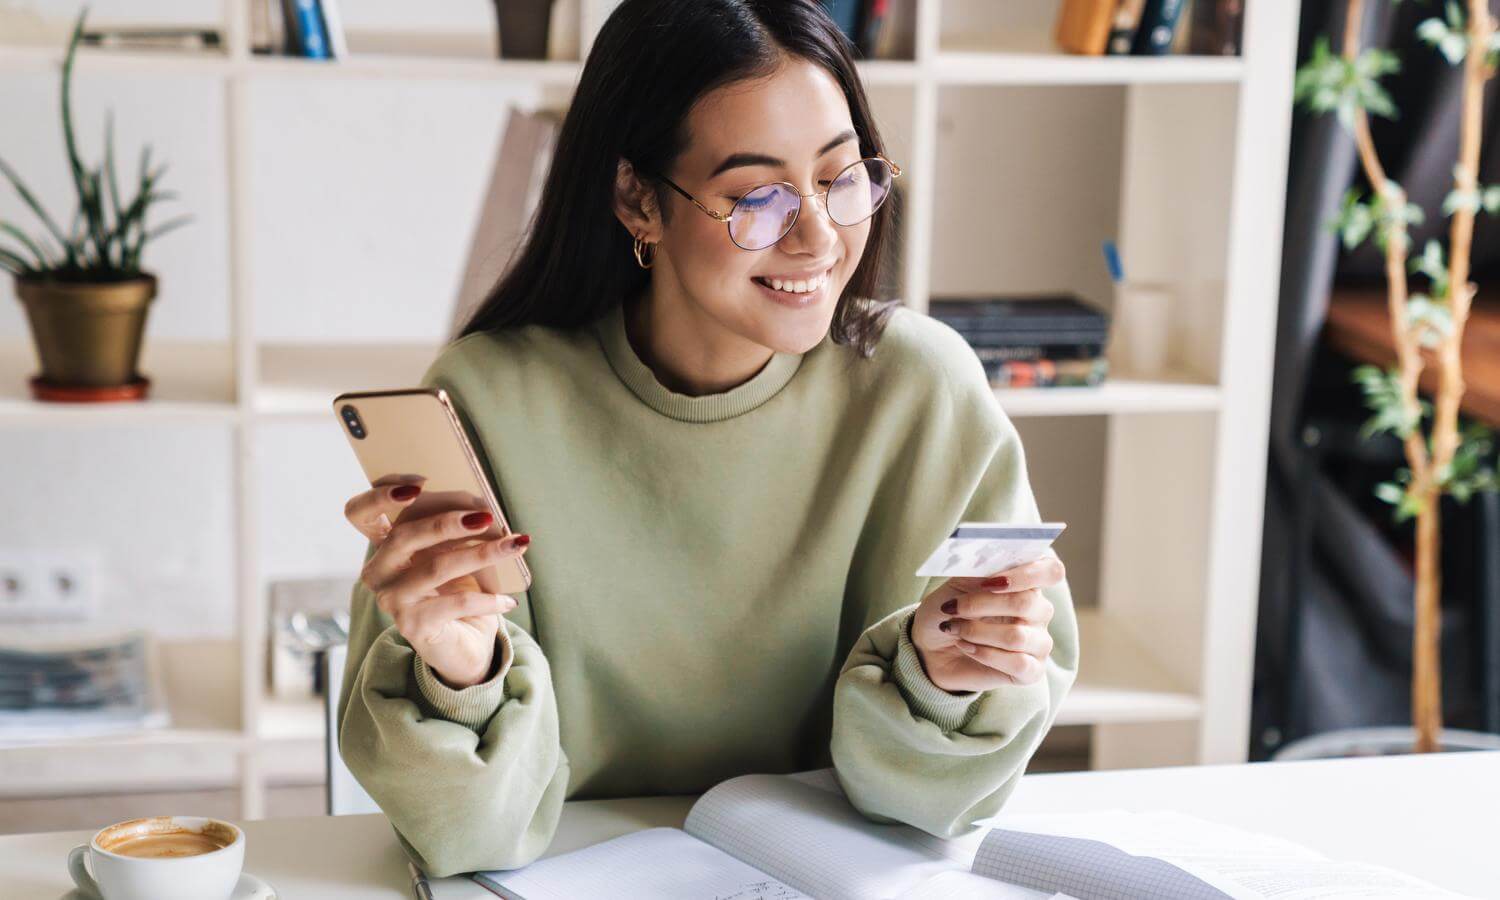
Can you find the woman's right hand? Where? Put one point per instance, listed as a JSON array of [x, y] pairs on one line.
[[429, 589]]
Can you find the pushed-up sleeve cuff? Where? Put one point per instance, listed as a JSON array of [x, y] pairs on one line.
[[949, 711], [474, 705]]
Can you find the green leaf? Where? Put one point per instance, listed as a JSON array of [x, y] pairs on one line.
[[1431, 320], [1409, 508], [1431, 264], [14, 264], [34, 204], [1328, 82], [1389, 491], [1382, 396], [1491, 197], [41, 258]]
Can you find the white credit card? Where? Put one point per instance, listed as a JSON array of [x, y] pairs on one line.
[[987, 548]]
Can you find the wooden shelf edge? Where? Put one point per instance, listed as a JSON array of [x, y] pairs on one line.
[[1114, 396]]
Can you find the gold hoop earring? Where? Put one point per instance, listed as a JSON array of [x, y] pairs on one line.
[[647, 262]]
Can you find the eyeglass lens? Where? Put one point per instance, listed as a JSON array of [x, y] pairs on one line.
[[763, 216]]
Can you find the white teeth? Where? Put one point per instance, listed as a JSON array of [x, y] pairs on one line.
[[798, 287]]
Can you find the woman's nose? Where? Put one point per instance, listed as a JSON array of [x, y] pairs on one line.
[[814, 231]]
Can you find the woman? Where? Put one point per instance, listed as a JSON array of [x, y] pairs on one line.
[[732, 465]]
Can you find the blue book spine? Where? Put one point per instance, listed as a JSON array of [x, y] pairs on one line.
[[1158, 25], [845, 14], [310, 25]]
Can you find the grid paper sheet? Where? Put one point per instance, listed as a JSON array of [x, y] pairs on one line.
[[1088, 869], [654, 864], [1110, 854], [812, 838]]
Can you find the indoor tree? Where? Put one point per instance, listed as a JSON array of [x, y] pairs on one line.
[[1427, 328]]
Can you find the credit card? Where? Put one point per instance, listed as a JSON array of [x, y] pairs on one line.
[[987, 548]]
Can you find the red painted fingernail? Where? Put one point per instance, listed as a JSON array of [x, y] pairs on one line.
[[951, 607], [522, 540], [945, 625], [405, 492], [477, 519], [999, 581]]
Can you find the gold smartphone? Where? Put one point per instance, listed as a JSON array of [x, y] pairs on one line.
[[415, 435]]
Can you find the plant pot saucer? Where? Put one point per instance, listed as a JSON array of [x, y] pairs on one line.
[[135, 389]]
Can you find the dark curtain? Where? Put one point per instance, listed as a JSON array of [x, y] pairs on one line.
[[1333, 643]]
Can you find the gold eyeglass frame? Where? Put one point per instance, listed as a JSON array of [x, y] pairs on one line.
[[726, 217]]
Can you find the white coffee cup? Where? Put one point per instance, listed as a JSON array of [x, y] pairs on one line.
[[160, 858]]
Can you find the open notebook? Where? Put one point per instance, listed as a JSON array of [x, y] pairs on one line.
[[780, 837]]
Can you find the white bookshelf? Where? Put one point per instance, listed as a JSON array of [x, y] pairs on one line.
[[1168, 641]]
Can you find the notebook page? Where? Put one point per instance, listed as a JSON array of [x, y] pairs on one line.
[[812, 839], [968, 886], [960, 849], [654, 864], [1114, 853]]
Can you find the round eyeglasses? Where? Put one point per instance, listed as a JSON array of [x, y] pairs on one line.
[[764, 215]]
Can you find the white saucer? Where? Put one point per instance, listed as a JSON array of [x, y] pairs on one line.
[[252, 888], [247, 888]]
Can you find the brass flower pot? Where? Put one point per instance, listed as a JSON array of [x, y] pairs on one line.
[[87, 335]]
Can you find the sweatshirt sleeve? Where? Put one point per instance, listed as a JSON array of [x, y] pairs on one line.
[[904, 749], [470, 779]]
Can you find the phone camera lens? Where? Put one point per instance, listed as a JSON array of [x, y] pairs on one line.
[[351, 419]]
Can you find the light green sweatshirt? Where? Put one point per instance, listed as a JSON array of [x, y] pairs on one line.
[[722, 584]]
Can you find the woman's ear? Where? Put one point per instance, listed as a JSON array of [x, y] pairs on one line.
[[635, 204]]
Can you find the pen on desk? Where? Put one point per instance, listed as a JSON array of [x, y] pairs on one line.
[[419, 885]]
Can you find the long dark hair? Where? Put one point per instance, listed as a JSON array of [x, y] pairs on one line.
[[651, 61]]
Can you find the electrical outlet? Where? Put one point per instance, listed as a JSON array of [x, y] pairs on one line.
[[47, 585]]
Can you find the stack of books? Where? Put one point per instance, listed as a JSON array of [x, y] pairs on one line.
[[79, 687], [1035, 341]]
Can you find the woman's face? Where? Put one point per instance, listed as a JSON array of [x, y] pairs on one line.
[[793, 126]]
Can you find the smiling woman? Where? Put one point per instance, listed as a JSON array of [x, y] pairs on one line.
[[730, 462]]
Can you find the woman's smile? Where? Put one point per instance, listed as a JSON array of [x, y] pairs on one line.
[[797, 290]]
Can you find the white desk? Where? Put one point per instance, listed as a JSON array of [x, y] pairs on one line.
[[1436, 816]]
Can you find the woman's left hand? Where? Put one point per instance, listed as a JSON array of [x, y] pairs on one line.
[[977, 633]]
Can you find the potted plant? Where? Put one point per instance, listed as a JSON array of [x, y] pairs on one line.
[[84, 291], [1427, 329]]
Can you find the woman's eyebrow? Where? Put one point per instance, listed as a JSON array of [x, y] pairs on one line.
[[736, 160]]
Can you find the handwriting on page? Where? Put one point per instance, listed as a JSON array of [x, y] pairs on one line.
[[763, 890]]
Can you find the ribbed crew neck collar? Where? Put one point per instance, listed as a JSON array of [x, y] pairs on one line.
[[641, 381]]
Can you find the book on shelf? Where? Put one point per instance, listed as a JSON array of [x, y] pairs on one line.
[[867, 24], [1123, 25], [1022, 313], [1083, 26], [1148, 27], [154, 39], [57, 687], [1050, 340], [796, 836], [1215, 26], [1158, 27], [307, 28], [1017, 373]]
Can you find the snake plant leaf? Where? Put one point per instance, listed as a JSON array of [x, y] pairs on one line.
[[31, 202]]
